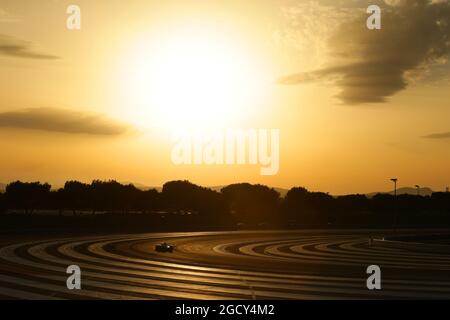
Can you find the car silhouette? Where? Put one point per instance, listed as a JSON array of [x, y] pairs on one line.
[[164, 247]]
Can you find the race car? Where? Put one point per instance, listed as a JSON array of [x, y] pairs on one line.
[[164, 247]]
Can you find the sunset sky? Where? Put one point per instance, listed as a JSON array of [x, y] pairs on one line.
[[354, 106]]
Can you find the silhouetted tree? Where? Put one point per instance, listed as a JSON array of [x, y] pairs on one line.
[[148, 200], [352, 209], [385, 208], [27, 195], [106, 195], [2, 203], [128, 197], [441, 202], [114, 196], [305, 208], [75, 196], [179, 195], [252, 204], [352, 203], [184, 195], [55, 201], [184, 205]]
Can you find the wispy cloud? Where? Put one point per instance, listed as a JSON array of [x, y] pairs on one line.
[[12, 47], [443, 135], [372, 65], [63, 120]]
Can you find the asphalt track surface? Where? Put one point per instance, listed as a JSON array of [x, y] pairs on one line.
[[221, 265]]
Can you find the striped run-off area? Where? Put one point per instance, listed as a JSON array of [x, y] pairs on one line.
[[220, 265]]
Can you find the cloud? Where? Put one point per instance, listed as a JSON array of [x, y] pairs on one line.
[[371, 65], [20, 49], [62, 120], [444, 135]]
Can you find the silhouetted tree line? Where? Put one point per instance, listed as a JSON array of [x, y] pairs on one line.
[[181, 203]]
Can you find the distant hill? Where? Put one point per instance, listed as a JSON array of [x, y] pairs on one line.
[[139, 186], [282, 191], [406, 190]]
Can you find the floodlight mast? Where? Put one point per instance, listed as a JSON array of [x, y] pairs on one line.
[[395, 185], [394, 180]]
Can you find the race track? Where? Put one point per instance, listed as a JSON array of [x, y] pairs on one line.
[[220, 265]]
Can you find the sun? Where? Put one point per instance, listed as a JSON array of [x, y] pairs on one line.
[[192, 78]]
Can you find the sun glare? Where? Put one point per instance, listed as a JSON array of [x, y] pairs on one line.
[[193, 79]]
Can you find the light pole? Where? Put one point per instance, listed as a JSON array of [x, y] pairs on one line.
[[394, 180], [418, 189]]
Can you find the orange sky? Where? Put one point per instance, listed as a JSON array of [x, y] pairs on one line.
[[353, 107]]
